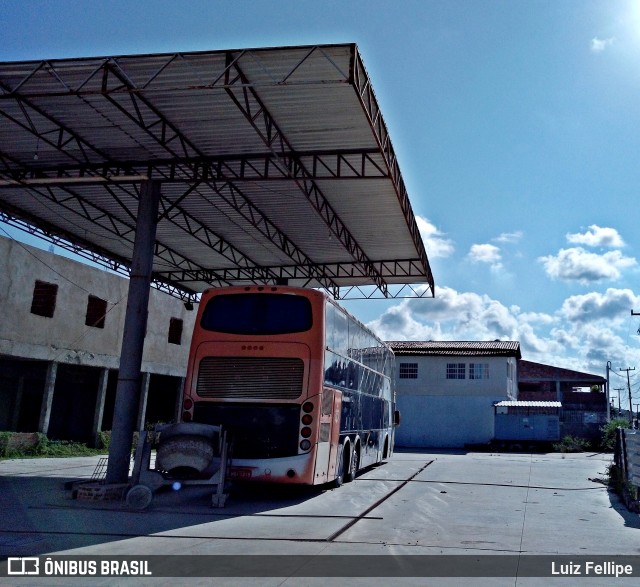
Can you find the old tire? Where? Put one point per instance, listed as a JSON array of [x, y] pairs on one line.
[[184, 453]]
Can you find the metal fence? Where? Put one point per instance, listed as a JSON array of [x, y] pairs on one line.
[[627, 455]]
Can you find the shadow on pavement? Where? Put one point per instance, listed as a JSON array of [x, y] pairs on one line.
[[631, 519], [39, 515]]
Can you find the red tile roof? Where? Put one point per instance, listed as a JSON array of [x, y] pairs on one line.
[[530, 371], [506, 348]]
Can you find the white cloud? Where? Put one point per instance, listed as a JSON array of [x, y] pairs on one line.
[[509, 237], [534, 317], [486, 253], [451, 315], [435, 242], [398, 323], [589, 347], [576, 264], [585, 333], [597, 237], [600, 45], [612, 306]]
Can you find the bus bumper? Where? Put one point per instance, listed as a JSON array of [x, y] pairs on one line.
[[297, 469]]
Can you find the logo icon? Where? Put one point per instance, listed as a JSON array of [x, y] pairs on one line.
[[27, 565]]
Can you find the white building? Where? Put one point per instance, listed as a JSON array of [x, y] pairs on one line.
[[446, 390]]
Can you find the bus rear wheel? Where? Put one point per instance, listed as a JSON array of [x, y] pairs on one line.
[[343, 457], [354, 465]]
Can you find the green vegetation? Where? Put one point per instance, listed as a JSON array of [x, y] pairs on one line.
[[104, 440], [616, 479], [628, 492], [572, 444], [608, 441], [19, 446]]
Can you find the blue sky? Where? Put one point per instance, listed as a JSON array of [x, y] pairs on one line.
[[517, 127]]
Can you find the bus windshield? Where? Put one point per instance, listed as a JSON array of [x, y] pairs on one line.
[[257, 314]]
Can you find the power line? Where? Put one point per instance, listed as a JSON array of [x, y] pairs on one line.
[[24, 247], [88, 330]]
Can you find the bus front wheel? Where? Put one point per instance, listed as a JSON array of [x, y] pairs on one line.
[[385, 452]]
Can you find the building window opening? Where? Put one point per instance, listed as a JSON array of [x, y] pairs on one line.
[[175, 331], [456, 370], [408, 370], [44, 299], [96, 312], [478, 370]]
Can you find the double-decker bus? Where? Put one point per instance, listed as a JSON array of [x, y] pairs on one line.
[[305, 391]]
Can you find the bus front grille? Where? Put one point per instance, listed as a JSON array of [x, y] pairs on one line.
[[250, 377]]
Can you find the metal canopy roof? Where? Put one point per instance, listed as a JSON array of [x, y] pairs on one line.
[[275, 165]]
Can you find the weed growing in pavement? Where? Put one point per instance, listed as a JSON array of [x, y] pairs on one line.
[[572, 444]]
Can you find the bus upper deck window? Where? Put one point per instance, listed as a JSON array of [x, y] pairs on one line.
[[257, 314]]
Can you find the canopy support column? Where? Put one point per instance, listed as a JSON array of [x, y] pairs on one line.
[[99, 407], [47, 398], [128, 389]]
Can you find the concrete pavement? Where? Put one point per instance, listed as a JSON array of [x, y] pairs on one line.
[[442, 503]]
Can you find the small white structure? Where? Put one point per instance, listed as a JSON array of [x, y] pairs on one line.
[[446, 390]]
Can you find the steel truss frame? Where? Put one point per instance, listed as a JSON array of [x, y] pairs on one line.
[[185, 163], [345, 164]]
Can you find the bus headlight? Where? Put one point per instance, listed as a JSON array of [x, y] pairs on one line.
[[305, 432]]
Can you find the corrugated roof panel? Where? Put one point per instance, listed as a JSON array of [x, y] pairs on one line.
[[297, 66], [271, 150], [365, 206]]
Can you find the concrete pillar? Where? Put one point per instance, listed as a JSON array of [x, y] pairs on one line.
[[179, 398], [144, 395], [128, 390], [47, 398], [99, 410], [17, 402]]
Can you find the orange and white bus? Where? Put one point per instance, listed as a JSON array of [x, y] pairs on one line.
[[304, 389]]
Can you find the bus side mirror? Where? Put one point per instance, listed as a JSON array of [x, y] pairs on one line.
[[396, 418]]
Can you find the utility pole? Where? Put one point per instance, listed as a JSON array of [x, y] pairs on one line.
[[608, 391], [619, 389], [636, 314], [629, 388]]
